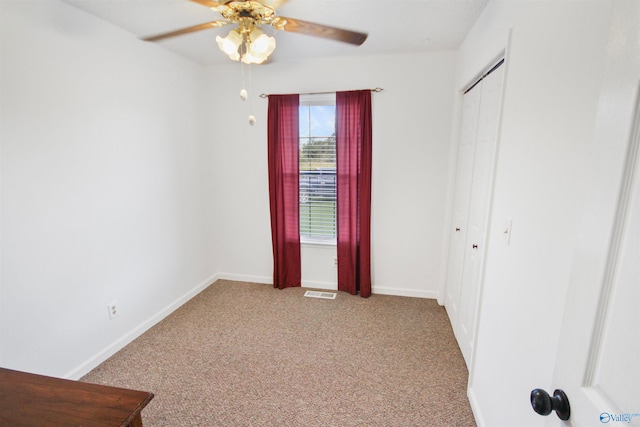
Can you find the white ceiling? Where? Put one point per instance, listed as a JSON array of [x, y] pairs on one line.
[[408, 26]]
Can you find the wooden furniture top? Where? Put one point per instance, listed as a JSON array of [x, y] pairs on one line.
[[31, 400]]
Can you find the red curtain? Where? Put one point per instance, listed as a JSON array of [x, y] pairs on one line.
[[283, 140], [353, 164]]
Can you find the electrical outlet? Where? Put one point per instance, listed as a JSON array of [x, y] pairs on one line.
[[114, 310], [335, 262]]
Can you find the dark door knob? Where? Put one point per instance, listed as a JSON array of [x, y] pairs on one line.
[[474, 246], [543, 404]]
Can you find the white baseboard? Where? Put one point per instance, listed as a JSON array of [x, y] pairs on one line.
[[475, 409], [85, 367], [269, 281], [403, 292], [120, 343], [246, 278], [331, 286]]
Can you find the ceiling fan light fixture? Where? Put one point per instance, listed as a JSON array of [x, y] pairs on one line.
[[248, 58], [258, 47], [247, 42], [230, 44], [261, 43]]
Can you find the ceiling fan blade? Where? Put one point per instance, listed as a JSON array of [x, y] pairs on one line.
[[318, 30], [199, 27]]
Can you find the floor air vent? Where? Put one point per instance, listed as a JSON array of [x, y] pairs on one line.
[[323, 295]]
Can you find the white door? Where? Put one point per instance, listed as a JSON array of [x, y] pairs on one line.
[[462, 196], [474, 177], [482, 182], [598, 361]]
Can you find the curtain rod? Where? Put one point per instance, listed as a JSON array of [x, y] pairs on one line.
[[266, 95]]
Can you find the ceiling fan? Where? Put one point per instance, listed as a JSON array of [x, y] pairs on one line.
[[247, 42]]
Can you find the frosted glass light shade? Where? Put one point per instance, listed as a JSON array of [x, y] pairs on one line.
[[260, 46], [230, 44]]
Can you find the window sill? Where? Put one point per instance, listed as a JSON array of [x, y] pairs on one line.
[[317, 242]]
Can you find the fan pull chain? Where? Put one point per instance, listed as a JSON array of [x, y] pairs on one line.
[[243, 92], [252, 118]]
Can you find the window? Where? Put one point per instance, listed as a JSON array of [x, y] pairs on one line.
[[317, 168]]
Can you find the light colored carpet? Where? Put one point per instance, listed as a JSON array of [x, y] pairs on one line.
[[244, 354]]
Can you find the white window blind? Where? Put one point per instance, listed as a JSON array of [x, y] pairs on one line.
[[317, 169]]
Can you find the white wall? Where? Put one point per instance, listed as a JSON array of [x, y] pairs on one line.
[[412, 122], [553, 78], [103, 187], [130, 174]]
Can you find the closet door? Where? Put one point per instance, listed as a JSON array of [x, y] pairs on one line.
[[462, 197], [474, 179], [480, 203]]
